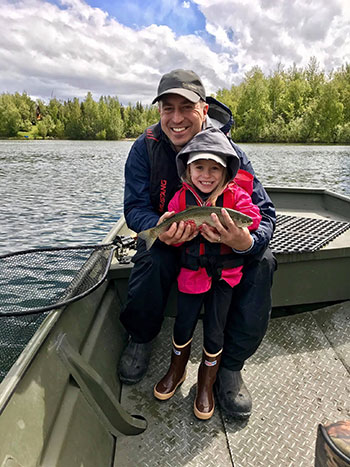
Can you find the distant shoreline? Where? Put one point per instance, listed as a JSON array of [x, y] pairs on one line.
[[22, 138], [50, 138]]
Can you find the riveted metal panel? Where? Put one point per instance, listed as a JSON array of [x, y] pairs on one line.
[[298, 378], [174, 437]]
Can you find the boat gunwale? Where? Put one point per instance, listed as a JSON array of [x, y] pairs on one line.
[[308, 190]]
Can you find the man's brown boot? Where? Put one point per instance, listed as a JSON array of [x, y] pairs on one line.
[[204, 403], [176, 374]]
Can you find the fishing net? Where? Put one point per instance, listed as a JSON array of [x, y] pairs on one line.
[[15, 333], [33, 282]]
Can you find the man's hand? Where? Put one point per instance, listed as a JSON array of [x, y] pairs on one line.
[[231, 235], [177, 233]]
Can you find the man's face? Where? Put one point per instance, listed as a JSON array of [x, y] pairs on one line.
[[181, 119]]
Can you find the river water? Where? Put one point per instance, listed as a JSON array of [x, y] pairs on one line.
[[64, 192], [57, 193]]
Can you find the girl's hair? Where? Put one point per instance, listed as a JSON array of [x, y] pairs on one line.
[[186, 177]]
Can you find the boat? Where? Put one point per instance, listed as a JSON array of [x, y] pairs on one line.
[[62, 404]]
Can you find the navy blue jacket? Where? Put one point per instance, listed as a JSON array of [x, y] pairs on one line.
[[140, 214]]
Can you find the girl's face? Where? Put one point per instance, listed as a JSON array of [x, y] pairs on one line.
[[206, 174]]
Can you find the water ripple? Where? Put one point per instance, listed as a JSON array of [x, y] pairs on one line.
[[56, 192]]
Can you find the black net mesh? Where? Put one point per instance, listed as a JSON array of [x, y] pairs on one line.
[[15, 333], [35, 281]]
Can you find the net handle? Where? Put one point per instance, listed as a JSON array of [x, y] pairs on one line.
[[57, 248], [119, 241]]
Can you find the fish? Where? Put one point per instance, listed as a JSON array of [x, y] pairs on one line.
[[196, 216]]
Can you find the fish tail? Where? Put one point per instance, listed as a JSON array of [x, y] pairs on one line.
[[147, 237]]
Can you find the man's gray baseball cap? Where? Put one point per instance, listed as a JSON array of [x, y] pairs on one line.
[[185, 83]]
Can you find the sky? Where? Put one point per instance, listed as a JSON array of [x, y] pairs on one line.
[[67, 48]]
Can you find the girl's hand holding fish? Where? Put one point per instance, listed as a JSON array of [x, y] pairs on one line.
[[235, 237], [177, 232]]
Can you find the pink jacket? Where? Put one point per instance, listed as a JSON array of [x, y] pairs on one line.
[[194, 282]]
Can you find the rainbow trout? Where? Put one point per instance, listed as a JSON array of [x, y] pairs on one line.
[[196, 216]]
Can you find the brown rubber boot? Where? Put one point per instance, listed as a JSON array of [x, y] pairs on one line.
[[333, 444], [176, 374], [204, 403]]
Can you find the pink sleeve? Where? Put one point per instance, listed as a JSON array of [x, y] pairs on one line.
[[174, 203], [244, 204]]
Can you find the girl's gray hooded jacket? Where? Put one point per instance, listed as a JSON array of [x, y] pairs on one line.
[[210, 140]]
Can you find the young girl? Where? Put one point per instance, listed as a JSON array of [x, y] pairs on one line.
[[207, 165]]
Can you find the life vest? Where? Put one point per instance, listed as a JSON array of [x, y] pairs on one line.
[[214, 257], [164, 181]]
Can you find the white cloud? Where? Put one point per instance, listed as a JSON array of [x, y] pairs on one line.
[[266, 32], [67, 51]]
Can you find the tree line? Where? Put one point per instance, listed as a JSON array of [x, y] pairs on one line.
[[106, 119], [288, 106], [291, 106]]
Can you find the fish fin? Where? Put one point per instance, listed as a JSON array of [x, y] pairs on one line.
[[146, 236]]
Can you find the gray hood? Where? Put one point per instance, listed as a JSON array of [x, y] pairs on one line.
[[209, 140]]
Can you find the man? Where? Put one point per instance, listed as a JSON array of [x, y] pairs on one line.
[[150, 182]]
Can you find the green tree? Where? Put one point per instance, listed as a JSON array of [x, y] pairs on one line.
[[151, 115], [90, 118], [314, 77], [309, 123], [58, 130], [254, 107], [111, 118], [26, 107], [45, 126], [277, 93], [10, 117], [296, 98], [230, 98], [134, 120], [74, 127], [341, 80], [330, 113], [56, 110]]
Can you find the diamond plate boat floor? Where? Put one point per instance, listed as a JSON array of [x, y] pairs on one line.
[[298, 378]]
